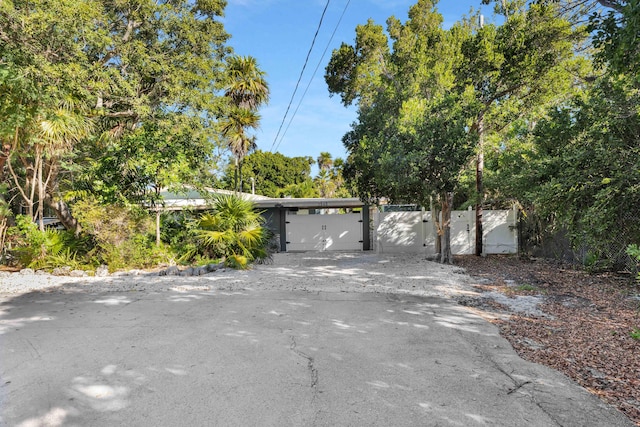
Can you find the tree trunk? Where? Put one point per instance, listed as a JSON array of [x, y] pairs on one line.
[[240, 175], [479, 184], [235, 177], [64, 215], [29, 183], [41, 195], [59, 206], [157, 226], [446, 257], [157, 214]]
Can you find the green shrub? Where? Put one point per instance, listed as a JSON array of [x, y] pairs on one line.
[[123, 235], [634, 251], [233, 231], [47, 249]]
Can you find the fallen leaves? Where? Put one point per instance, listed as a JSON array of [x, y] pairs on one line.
[[586, 331]]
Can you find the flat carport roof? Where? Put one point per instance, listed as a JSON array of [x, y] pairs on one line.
[[308, 203], [192, 200]]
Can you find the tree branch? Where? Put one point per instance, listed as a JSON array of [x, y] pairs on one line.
[[612, 4]]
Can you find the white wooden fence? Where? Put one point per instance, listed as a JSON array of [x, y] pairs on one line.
[[414, 232]]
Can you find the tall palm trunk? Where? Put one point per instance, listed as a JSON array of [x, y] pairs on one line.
[[235, 176]]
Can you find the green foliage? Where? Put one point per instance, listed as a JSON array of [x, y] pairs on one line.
[[233, 230], [305, 189], [615, 34], [148, 160], [271, 172], [526, 287], [635, 334], [123, 235], [634, 251], [45, 249], [330, 179], [410, 140], [238, 262], [137, 93]]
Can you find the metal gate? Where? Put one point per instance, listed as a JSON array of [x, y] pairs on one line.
[[326, 232]]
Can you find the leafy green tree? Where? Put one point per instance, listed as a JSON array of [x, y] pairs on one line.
[[148, 160], [512, 70], [410, 141], [123, 64], [305, 189], [578, 169], [270, 172]]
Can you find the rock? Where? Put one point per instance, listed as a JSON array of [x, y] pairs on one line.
[[136, 273], [187, 272], [61, 271], [120, 273], [171, 271], [102, 271], [200, 271], [78, 273], [214, 267], [26, 271], [41, 273], [5, 274]]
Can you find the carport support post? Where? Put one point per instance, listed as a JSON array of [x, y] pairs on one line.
[[366, 240], [282, 213]]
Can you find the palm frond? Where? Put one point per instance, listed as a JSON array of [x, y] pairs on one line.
[[214, 237]]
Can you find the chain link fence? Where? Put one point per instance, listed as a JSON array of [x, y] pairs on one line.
[[540, 237]]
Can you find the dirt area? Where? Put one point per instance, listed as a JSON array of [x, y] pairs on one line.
[[584, 325]]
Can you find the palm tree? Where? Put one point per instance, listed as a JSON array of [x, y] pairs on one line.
[[48, 136], [234, 231], [325, 162], [246, 86], [58, 132], [234, 128], [246, 89]]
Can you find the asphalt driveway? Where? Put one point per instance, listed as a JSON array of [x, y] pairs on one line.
[[270, 358]]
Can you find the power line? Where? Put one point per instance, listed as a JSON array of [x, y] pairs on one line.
[[314, 73], [301, 73]]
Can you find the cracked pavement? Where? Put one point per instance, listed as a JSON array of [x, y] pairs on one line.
[[271, 358]]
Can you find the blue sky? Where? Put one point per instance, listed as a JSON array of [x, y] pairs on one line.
[[278, 33]]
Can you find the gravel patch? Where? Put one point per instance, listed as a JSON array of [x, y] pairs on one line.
[[311, 272], [522, 304]]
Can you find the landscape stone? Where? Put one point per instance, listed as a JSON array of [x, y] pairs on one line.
[[200, 271], [78, 273], [102, 271], [171, 271], [187, 272]]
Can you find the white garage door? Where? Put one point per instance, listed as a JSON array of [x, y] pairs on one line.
[[331, 232]]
